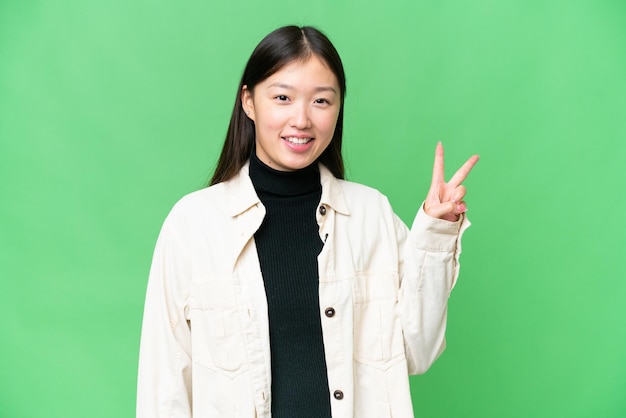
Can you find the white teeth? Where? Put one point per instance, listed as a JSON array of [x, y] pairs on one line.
[[297, 140]]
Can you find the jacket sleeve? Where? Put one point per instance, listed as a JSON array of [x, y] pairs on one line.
[[429, 266], [164, 378]]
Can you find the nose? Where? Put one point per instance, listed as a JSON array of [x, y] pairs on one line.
[[300, 118]]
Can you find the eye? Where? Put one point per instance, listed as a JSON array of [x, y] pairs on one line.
[[281, 98], [321, 101]]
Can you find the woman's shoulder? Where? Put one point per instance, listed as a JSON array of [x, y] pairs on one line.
[[359, 188], [347, 187], [201, 202], [362, 194], [363, 200]]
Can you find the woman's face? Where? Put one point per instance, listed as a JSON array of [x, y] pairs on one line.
[[295, 111]]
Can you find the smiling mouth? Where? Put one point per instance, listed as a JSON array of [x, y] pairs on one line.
[[298, 141]]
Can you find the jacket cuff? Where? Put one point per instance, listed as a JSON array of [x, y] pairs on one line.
[[433, 234]]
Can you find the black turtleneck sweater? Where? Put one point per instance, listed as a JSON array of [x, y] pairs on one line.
[[288, 244]]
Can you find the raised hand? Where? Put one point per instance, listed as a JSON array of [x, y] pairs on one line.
[[445, 200]]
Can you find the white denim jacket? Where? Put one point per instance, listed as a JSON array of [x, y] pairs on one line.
[[205, 348]]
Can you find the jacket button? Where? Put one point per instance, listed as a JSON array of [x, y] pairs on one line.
[[330, 312], [322, 210], [338, 395]]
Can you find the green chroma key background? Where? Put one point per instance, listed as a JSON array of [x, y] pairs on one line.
[[111, 111]]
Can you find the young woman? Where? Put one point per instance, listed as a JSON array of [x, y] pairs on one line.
[[283, 290]]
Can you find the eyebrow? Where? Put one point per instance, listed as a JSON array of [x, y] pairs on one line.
[[290, 87]]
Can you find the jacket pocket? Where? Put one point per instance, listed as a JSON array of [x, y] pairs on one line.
[[378, 338], [216, 330]]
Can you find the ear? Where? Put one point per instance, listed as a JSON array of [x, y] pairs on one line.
[[247, 102]]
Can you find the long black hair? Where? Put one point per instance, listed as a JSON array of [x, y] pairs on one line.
[[280, 48]]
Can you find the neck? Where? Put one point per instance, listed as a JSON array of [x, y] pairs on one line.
[[283, 183]]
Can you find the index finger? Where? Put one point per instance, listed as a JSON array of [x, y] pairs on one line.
[[438, 174], [464, 171]]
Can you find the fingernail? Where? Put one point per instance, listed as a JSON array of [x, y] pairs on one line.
[[462, 208]]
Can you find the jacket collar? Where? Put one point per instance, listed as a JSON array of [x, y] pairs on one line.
[[241, 195], [332, 192], [240, 192]]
